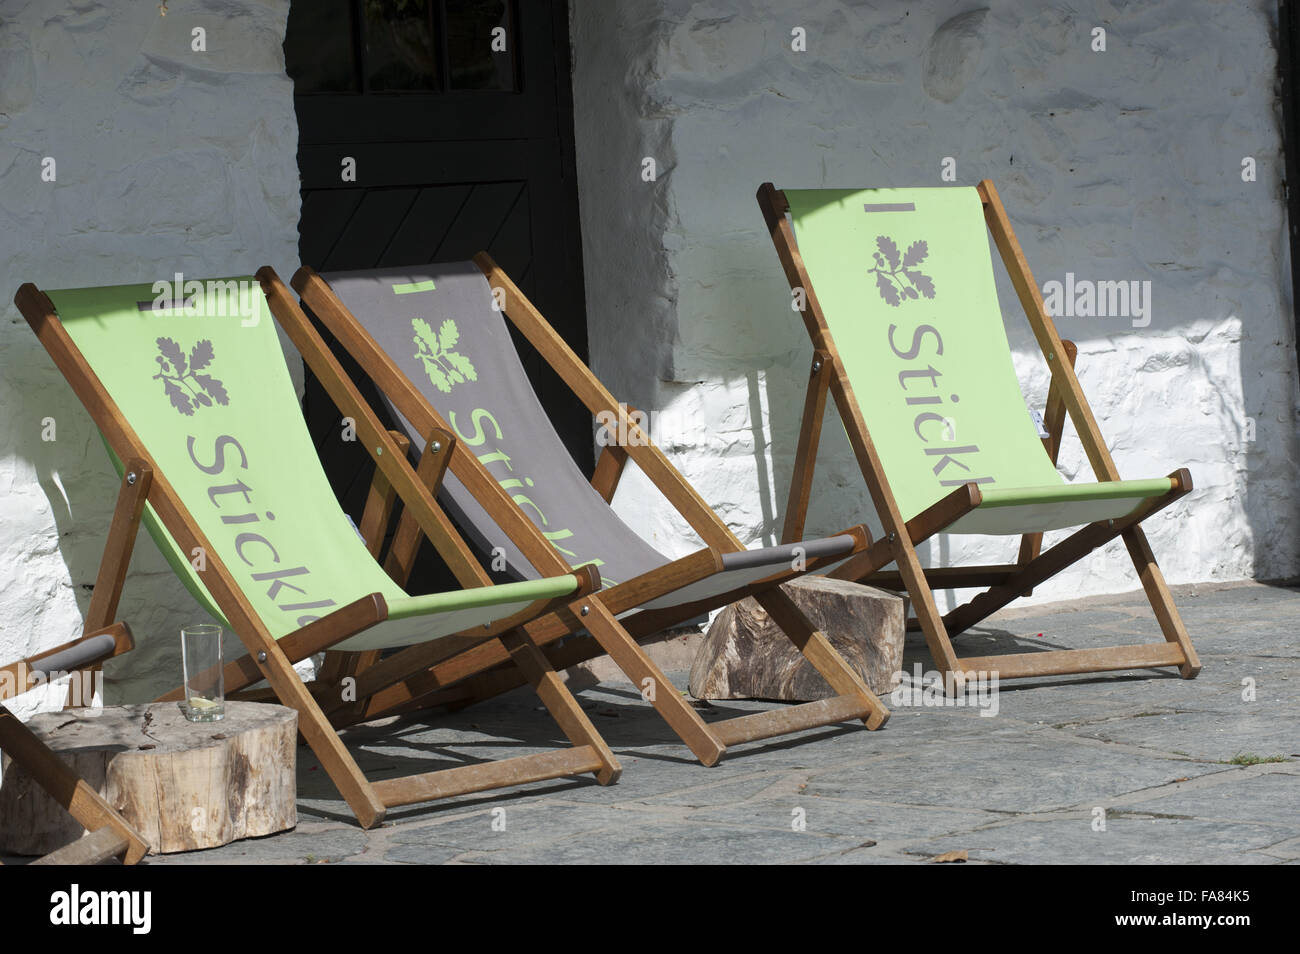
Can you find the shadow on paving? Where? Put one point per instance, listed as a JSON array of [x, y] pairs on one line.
[[1125, 767]]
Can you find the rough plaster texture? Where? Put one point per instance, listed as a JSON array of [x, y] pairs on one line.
[[166, 160], [1115, 165]]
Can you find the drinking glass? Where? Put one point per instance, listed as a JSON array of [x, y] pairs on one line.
[[205, 686]]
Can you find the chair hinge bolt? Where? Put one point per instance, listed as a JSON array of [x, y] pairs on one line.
[[261, 656], [585, 610], [435, 447], [130, 478], [816, 367]]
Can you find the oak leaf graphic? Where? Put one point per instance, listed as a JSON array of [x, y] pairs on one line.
[[898, 278], [185, 387], [445, 366]]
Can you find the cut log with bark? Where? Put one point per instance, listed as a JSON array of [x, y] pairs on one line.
[[182, 785], [745, 655]]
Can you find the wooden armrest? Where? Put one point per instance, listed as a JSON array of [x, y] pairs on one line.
[[1054, 416], [16, 678], [379, 503], [609, 470], [317, 636], [439, 446]]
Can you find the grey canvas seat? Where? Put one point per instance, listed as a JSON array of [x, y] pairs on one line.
[[435, 343], [439, 325]]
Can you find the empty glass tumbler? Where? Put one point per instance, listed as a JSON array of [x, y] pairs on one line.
[[205, 695]]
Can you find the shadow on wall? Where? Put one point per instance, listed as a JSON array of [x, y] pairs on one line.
[[60, 446], [1167, 365], [1197, 369], [1118, 155]]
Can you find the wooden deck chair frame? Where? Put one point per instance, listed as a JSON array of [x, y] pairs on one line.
[[426, 681], [271, 659], [110, 835], [1004, 583]]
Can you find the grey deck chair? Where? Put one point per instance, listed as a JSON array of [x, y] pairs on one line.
[[442, 358]]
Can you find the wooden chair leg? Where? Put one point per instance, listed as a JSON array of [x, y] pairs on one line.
[[559, 702], [93, 849], [340, 665], [592, 615], [588, 752], [85, 804], [137, 478], [1031, 544], [932, 624], [359, 793], [817, 649], [805, 455], [1162, 601]]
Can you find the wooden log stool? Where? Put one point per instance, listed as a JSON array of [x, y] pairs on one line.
[[746, 656], [182, 785]]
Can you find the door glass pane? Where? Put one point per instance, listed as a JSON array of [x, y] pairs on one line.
[[399, 45], [318, 50], [480, 44]]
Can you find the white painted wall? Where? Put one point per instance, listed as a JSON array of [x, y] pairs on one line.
[[1123, 164], [167, 160]]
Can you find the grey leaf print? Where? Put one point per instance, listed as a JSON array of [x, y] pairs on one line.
[[201, 355], [916, 253], [898, 279], [180, 400], [173, 353], [185, 387], [921, 282], [887, 289], [213, 387], [888, 249]]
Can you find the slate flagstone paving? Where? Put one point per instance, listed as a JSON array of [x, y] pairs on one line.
[[1153, 752]]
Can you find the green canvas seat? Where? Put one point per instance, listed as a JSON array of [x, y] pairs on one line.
[[973, 425], [896, 290], [221, 419], [195, 403]]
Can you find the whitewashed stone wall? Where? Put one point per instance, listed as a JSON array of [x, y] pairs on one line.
[[1117, 165], [166, 160]]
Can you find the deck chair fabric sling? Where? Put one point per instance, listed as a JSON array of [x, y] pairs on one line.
[[199, 413], [108, 834], [442, 358], [898, 298]]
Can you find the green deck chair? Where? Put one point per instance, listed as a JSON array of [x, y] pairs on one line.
[[897, 292], [201, 419]]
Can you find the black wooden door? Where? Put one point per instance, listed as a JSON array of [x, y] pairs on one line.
[[458, 117]]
